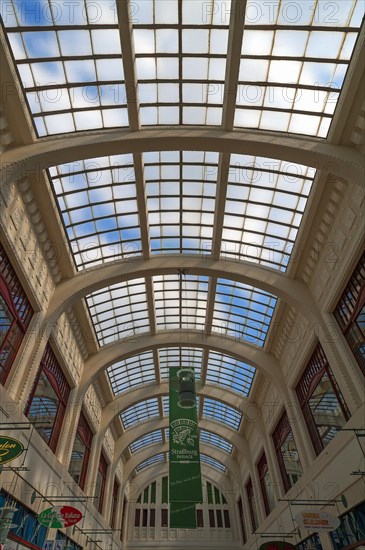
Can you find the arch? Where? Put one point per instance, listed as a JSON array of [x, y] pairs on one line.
[[289, 290], [125, 400], [256, 357], [336, 159], [238, 441], [222, 457], [134, 485]]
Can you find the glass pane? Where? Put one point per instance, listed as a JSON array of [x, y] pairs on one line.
[[44, 407], [291, 461], [77, 459], [326, 410], [269, 489], [6, 318]]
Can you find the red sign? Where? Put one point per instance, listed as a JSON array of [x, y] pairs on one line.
[[59, 516]]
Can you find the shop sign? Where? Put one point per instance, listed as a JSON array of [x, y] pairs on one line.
[[59, 516], [317, 521], [10, 449], [277, 545]]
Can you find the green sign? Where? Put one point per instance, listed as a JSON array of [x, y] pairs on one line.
[[184, 464], [59, 517], [9, 449]]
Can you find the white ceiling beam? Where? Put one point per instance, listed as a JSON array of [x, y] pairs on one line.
[[339, 160]]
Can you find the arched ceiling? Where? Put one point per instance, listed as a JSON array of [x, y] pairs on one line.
[[181, 145]]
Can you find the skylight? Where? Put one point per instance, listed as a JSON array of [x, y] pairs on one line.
[[146, 440], [181, 48], [151, 461], [229, 372], [119, 311], [183, 357], [292, 62], [97, 199], [142, 411], [212, 462], [131, 372], [243, 312], [215, 440], [181, 188], [220, 412], [69, 61], [174, 297], [294, 59]]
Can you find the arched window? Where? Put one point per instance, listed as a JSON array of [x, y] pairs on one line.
[[151, 513], [350, 313], [81, 451], [266, 484], [286, 452], [321, 400], [48, 399], [15, 315]]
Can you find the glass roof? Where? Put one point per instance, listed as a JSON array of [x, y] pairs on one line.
[[216, 441], [220, 412], [161, 457], [221, 370], [288, 64], [146, 440], [212, 462], [240, 311], [158, 407], [258, 217], [279, 66], [141, 412], [229, 372]]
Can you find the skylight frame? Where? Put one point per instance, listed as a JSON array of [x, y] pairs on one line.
[[210, 438], [132, 372], [181, 357], [106, 114], [216, 410], [146, 440], [265, 203], [204, 458], [266, 110], [181, 110], [169, 290], [119, 321], [151, 461], [227, 371], [240, 313], [104, 223], [182, 219], [140, 412]]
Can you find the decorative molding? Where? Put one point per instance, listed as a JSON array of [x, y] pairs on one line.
[[39, 228]]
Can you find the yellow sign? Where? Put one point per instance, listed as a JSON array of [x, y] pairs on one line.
[[10, 449]]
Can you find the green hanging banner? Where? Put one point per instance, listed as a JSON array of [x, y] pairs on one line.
[[185, 476]]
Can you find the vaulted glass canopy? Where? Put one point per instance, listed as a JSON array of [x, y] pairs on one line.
[[276, 67], [153, 366]]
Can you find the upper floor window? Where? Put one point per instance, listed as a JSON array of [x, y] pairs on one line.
[[252, 505], [48, 399], [286, 452], [267, 487], [114, 503], [81, 451], [15, 315], [350, 313], [101, 482], [321, 400], [242, 519]]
